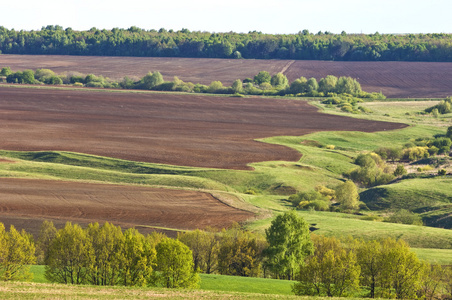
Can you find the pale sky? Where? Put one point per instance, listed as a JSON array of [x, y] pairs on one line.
[[268, 16]]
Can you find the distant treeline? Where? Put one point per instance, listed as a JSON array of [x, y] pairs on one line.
[[304, 45], [262, 84]]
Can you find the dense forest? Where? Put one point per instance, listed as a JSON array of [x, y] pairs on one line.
[[304, 45]]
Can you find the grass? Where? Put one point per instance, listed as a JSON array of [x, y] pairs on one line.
[[211, 284], [345, 225]]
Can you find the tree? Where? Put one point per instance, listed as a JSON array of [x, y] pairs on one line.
[[261, 77], [215, 87], [400, 170], [46, 234], [107, 242], [237, 86], [312, 85], [299, 86], [279, 80], [331, 271], [138, 259], [16, 255], [6, 71], [175, 265], [449, 132], [347, 196], [70, 256], [289, 243], [204, 246], [239, 253], [328, 84], [151, 80]]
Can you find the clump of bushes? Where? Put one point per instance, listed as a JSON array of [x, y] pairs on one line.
[[444, 107]]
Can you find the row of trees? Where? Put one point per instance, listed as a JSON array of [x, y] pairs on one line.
[[184, 43], [262, 84], [105, 255]]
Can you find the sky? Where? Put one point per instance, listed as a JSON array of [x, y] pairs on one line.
[[267, 16]]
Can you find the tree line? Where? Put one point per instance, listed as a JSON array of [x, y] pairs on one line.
[[262, 83], [319, 265], [304, 45]]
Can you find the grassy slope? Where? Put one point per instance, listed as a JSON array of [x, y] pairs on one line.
[[317, 166]]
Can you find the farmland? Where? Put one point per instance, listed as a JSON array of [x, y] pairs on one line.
[[174, 162], [394, 79]]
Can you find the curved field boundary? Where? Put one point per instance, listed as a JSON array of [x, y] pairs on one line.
[[25, 203], [175, 129]]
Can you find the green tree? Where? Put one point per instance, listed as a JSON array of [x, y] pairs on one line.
[[331, 271], [449, 132], [400, 171], [204, 246], [107, 242], [347, 196], [237, 86], [261, 77], [46, 234], [16, 255], [289, 243], [138, 259], [239, 253], [151, 80], [279, 80], [70, 256], [6, 71], [328, 84], [299, 86], [175, 265], [312, 85], [215, 87]]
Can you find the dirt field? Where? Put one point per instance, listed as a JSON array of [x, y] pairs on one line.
[[177, 129], [26, 203], [394, 79]]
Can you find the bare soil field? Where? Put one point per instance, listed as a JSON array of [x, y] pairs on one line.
[[26, 203], [394, 79], [177, 129]]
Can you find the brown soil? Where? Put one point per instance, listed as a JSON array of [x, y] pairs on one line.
[[26, 203], [178, 129], [394, 79]]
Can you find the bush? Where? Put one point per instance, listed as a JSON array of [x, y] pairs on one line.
[[404, 216]]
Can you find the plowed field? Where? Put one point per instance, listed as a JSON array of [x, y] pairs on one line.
[[181, 129], [26, 203], [394, 79]]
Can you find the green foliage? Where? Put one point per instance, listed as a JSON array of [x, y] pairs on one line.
[[46, 234], [17, 252], [239, 252], [204, 246], [175, 265], [70, 256], [262, 77], [444, 107], [400, 171], [215, 87], [279, 80], [138, 259], [372, 170], [331, 271], [403, 216], [6, 71], [288, 244], [347, 196], [151, 80], [237, 86]]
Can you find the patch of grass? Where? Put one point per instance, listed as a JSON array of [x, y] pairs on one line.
[[345, 225], [214, 282], [439, 256]]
